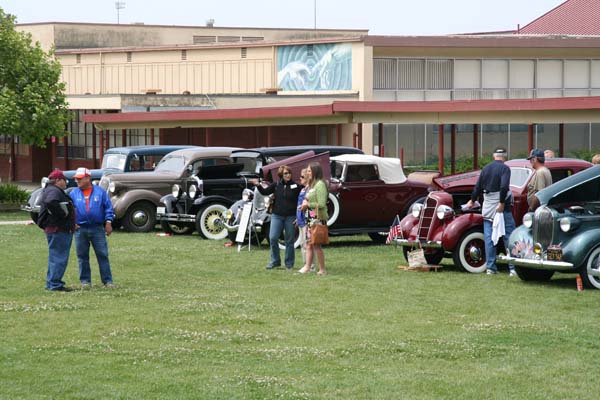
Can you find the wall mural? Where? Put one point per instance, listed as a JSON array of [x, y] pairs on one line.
[[324, 67]]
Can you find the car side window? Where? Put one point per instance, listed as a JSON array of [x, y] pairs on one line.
[[558, 174], [362, 173], [209, 162]]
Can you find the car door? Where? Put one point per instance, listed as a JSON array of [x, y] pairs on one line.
[[220, 178], [362, 197]]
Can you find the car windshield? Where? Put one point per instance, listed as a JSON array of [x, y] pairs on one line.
[[175, 164], [252, 165], [519, 176], [337, 169], [114, 161]]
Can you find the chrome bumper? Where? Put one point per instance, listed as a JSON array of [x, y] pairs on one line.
[[174, 217], [34, 209], [412, 243], [536, 264]]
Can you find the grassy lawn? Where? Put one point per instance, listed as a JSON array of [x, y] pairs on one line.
[[194, 319], [14, 216]]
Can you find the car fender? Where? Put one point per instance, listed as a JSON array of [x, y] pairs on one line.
[[202, 200], [456, 228], [122, 203], [407, 224], [579, 247], [35, 197], [169, 201]]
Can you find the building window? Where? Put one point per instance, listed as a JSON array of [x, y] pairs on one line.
[[129, 56], [183, 55], [78, 58], [244, 52]]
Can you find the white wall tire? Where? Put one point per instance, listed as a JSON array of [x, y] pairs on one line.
[[470, 252], [590, 272], [206, 222], [333, 205]]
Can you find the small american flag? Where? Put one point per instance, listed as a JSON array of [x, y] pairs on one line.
[[395, 230]]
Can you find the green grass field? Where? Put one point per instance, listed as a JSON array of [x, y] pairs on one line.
[[195, 319]]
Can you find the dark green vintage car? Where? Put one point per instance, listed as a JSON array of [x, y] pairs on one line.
[[564, 232]]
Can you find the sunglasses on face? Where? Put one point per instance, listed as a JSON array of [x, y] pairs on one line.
[[301, 176], [287, 173]]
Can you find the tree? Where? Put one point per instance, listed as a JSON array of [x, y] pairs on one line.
[[33, 106]]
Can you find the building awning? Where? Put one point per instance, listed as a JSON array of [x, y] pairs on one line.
[[526, 111]]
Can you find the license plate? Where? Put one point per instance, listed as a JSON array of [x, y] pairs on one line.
[[160, 210], [554, 253]]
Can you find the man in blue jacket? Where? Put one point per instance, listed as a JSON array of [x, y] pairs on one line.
[[93, 215]]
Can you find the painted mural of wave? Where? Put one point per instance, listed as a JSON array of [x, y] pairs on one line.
[[316, 67]]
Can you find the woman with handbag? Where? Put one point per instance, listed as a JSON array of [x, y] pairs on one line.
[[316, 204], [284, 214]]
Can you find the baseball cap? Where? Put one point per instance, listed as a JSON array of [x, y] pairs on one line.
[[56, 174], [82, 172], [536, 153], [500, 151]]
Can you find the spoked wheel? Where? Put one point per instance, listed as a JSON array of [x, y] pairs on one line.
[[208, 222], [590, 272], [470, 252], [177, 229]]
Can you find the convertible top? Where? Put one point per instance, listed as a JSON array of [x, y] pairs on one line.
[[390, 169]]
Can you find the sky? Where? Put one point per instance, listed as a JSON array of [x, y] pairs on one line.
[[380, 17]]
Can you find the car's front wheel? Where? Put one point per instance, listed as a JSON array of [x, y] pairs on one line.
[[176, 229], [208, 221], [470, 252], [590, 272], [140, 217]]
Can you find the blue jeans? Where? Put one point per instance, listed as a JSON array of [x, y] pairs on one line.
[[59, 247], [95, 235], [280, 224], [490, 249]]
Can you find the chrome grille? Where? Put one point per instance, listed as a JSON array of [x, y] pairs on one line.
[[427, 218], [543, 226]]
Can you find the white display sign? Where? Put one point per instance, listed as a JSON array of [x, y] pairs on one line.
[[244, 219]]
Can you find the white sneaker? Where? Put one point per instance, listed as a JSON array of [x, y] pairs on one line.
[[490, 272], [512, 273]]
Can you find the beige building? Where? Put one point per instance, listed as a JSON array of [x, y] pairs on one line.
[[130, 84]]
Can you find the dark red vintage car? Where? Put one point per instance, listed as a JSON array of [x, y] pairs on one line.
[[443, 229]]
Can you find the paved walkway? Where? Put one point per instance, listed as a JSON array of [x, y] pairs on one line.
[[16, 222]]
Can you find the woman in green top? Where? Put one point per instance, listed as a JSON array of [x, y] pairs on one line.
[[316, 204]]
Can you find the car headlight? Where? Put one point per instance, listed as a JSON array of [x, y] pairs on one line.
[[528, 220], [228, 214], [569, 224], [247, 194], [44, 182], [416, 210], [444, 211], [176, 190], [537, 249], [112, 187], [192, 191]]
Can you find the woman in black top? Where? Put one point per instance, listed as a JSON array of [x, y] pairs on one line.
[[283, 217]]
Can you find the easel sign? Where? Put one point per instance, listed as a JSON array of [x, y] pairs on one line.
[[244, 220]]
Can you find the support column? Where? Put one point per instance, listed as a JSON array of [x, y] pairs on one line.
[[94, 157], [123, 137], [360, 135], [152, 136], [453, 149], [475, 146], [529, 137], [101, 132], [338, 134], [561, 140], [441, 149], [66, 142], [380, 141]]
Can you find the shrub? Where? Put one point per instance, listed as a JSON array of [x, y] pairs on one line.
[[10, 193]]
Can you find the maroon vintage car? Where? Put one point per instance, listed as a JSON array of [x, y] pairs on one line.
[[443, 229]]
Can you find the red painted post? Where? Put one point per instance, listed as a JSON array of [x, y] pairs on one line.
[[441, 149], [380, 142], [94, 157], [529, 137], [123, 137], [475, 146], [101, 132], [360, 134], [152, 136], [561, 140], [402, 157], [453, 149]]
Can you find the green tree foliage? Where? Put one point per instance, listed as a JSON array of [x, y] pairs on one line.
[[33, 106]]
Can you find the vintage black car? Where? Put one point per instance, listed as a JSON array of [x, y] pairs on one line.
[[563, 234], [115, 160], [200, 202]]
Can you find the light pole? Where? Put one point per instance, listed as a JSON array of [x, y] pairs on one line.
[[315, 14], [119, 5]]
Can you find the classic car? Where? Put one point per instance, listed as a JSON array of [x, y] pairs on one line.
[[443, 229], [563, 234], [136, 195], [215, 191], [115, 160]]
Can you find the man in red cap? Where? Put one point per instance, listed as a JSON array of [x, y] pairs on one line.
[[57, 219], [94, 216]]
